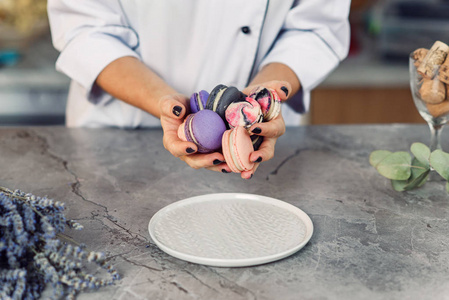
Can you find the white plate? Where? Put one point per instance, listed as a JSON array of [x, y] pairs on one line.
[[230, 229]]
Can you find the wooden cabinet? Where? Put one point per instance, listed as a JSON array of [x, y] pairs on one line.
[[363, 105]]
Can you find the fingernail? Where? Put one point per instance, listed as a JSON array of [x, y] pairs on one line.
[[257, 130], [225, 171], [258, 160], [177, 110], [285, 90], [217, 162], [190, 150]]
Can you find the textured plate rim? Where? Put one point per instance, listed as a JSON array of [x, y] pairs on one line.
[[241, 262]]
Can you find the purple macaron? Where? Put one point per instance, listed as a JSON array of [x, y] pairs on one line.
[[204, 128], [198, 101]]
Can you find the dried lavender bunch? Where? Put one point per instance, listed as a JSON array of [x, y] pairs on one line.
[[31, 255]]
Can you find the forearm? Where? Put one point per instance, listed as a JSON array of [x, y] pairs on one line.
[[129, 80], [277, 71]]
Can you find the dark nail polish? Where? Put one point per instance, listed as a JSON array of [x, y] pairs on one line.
[[285, 90], [217, 162], [190, 150], [225, 171], [177, 110], [257, 130], [258, 160]]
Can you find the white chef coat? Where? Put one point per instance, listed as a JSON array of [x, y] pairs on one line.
[[193, 45]]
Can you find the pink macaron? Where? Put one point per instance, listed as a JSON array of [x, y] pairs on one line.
[[269, 101], [237, 148], [244, 113]]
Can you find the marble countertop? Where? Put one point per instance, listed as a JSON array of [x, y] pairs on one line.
[[369, 241]]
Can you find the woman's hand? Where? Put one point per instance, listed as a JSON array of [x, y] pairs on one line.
[[271, 130], [174, 109]]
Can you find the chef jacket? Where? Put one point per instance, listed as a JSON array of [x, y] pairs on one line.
[[193, 45]]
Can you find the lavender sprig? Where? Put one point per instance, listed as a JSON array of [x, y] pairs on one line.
[[31, 255]]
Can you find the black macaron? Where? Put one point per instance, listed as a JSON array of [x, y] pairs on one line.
[[257, 140], [220, 98]]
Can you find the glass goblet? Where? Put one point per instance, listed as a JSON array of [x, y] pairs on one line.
[[426, 93]]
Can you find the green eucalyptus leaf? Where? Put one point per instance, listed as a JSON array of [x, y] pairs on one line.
[[422, 178], [419, 174], [417, 181], [395, 166], [421, 152], [377, 156], [439, 160], [399, 185]]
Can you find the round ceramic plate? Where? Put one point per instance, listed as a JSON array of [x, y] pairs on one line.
[[230, 229]]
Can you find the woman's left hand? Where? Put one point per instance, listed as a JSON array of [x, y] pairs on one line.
[[271, 130]]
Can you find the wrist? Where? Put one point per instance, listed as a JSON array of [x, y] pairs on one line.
[[278, 72]]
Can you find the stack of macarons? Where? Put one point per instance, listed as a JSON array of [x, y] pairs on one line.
[[221, 119]]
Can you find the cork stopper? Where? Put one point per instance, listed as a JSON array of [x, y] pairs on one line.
[[443, 72], [433, 59], [438, 110], [432, 91], [418, 55]]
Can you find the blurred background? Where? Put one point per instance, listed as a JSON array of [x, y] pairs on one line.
[[31, 91], [370, 86]]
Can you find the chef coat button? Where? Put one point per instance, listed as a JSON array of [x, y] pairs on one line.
[[246, 30]]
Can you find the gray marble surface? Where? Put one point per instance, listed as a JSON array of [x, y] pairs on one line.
[[370, 242]]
